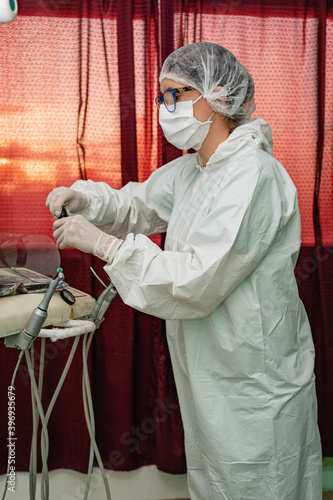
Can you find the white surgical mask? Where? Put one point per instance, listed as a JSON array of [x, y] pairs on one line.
[[181, 128]]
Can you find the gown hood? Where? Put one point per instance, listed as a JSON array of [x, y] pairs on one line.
[[255, 131]]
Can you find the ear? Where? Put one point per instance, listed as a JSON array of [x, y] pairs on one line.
[[219, 88], [223, 97]]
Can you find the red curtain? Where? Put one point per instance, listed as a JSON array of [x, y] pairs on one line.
[[77, 87]]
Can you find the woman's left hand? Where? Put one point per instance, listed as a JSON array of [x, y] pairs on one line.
[[77, 232]]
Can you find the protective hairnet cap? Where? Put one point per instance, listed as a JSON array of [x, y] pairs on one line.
[[216, 73]]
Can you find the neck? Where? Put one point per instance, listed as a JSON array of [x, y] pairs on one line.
[[219, 132]]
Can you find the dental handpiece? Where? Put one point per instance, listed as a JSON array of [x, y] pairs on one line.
[[39, 314]]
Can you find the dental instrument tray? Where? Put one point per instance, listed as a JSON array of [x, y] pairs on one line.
[[18, 280]]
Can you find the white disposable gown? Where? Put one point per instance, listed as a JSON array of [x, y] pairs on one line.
[[238, 334]]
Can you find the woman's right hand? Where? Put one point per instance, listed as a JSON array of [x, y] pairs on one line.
[[74, 201]]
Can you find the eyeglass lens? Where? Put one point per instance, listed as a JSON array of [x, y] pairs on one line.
[[170, 100]]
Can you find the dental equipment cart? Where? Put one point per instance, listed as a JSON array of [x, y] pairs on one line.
[[66, 312]]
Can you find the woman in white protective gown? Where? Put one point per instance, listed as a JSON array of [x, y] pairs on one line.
[[239, 338]]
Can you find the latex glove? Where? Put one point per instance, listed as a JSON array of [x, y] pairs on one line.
[[79, 233], [73, 200]]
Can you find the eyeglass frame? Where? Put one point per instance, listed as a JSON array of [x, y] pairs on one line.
[[159, 100]]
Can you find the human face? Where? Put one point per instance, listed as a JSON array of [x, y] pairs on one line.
[[201, 109]]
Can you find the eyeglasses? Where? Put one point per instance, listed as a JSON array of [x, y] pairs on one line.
[[169, 97]]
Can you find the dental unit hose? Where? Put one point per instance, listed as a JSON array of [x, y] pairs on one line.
[[102, 304]]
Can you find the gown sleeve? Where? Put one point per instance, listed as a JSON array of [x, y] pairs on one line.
[[137, 208], [221, 252]]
